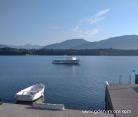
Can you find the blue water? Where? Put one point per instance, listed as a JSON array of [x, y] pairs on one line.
[[76, 86]]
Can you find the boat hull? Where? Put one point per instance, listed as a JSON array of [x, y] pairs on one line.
[[66, 62], [29, 97]]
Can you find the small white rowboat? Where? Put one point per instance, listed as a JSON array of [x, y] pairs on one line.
[[31, 93]]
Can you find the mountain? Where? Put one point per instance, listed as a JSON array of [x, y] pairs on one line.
[[68, 44], [119, 42], [26, 46], [3, 46]]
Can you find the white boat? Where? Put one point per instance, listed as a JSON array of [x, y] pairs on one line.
[[31, 93], [66, 60]]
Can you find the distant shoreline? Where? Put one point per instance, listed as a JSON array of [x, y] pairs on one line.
[[82, 52]]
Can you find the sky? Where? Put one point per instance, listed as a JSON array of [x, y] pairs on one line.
[[43, 22]]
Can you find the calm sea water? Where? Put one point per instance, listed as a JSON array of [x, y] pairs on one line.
[[76, 86]]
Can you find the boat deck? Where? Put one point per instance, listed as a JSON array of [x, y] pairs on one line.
[[17, 110]]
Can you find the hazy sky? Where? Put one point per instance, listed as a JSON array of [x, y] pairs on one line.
[[44, 22]]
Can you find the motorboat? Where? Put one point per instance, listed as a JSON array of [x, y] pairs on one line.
[[66, 60], [31, 93]]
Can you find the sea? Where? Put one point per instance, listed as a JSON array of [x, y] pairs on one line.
[[76, 86]]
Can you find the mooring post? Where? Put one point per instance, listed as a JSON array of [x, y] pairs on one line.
[[136, 79], [106, 95]]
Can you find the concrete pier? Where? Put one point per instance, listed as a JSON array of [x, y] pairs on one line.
[[123, 99], [18, 110]]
